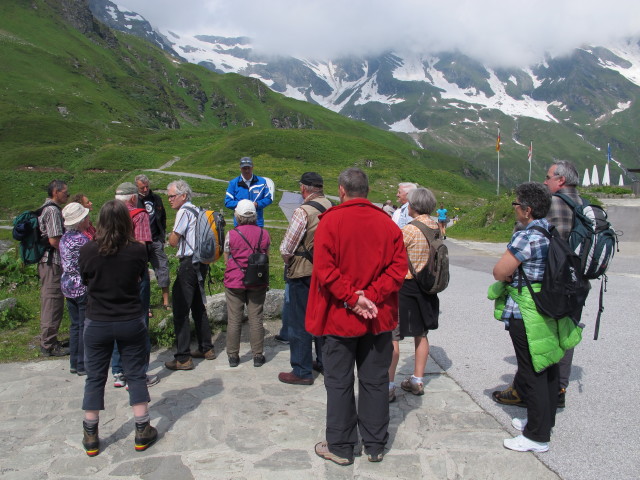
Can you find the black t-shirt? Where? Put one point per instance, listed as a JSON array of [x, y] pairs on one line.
[[113, 282]]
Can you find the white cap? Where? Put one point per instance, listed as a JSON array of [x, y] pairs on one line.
[[245, 208]]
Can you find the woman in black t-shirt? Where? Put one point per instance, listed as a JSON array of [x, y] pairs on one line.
[[111, 266]]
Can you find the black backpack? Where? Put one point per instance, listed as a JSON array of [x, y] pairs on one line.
[[434, 277], [564, 288], [257, 272]]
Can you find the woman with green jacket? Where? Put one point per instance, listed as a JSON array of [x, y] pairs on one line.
[[539, 341]]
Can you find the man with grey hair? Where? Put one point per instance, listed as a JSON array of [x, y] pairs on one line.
[[189, 284], [353, 303], [401, 215], [562, 177], [297, 252], [153, 205]]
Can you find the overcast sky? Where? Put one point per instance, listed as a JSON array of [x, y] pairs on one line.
[[508, 32]]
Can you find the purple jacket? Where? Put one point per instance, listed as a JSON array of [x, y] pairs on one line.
[[239, 252]]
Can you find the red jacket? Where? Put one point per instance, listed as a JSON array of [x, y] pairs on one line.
[[356, 247]]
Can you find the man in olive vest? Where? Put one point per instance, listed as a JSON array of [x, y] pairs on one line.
[[297, 251]]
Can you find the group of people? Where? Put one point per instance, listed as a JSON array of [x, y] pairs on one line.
[[354, 312]]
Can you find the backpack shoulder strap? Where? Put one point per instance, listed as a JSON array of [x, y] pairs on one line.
[[428, 232], [543, 231], [318, 206]]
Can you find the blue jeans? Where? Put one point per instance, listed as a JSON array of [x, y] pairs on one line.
[[99, 337], [76, 308], [300, 341], [145, 298], [284, 330]]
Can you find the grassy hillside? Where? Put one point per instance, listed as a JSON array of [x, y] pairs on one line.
[[93, 107]]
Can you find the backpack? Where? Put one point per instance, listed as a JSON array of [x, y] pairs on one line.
[[26, 230], [209, 235], [592, 237], [564, 288], [257, 272], [434, 277]]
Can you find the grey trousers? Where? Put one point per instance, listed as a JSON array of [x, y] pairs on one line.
[[51, 304], [236, 300]]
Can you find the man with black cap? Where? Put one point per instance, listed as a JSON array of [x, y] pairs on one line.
[[297, 251], [248, 186]]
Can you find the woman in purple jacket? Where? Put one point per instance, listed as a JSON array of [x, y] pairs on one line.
[[239, 243]]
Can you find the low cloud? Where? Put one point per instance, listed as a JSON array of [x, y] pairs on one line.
[[496, 32]]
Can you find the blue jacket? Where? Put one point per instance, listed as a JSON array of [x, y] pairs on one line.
[[258, 192]]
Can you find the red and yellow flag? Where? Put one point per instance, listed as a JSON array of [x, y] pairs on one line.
[[498, 143]]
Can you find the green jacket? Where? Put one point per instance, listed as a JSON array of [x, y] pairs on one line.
[[548, 338]]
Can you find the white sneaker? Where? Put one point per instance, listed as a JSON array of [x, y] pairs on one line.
[[523, 444], [519, 423], [119, 381]]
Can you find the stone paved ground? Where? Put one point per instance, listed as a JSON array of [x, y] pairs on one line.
[[217, 422]]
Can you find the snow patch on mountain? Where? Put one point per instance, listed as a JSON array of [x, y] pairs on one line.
[[369, 93], [629, 51]]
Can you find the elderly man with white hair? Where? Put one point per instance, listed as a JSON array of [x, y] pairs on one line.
[[401, 215], [187, 288]]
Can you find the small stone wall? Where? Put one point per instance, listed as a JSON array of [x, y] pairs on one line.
[[217, 306]]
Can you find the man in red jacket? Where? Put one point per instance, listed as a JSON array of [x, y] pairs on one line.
[[359, 265]]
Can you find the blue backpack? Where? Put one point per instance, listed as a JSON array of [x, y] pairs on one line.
[[26, 230]]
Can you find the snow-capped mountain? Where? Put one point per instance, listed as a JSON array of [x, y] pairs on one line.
[[446, 101]]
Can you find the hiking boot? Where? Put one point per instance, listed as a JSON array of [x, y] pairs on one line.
[[57, 350], [119, 380], [234, 360], [90, 441], [176, 365], [392, 394], [375, 457], [258, 360], [322, 450], [281, 339], [561, 399], [523, 444], [416, 388], [508, 396], [293, 379], [208, 355], [146, 435]]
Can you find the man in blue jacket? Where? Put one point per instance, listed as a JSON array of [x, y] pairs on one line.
[[248, 186]]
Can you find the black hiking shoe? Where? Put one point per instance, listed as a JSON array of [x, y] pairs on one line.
[[90, 441], [508, 396], [146, 435]]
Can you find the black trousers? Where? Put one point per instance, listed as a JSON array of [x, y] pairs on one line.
[[372, 356], [187, 296], [539, 389]]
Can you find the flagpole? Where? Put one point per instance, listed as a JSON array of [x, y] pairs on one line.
[[530, 159], [498, 149]]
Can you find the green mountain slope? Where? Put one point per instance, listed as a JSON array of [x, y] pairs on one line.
[[94, 107]]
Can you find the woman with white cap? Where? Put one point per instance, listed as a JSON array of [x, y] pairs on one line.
[[241, 242], [76, 222]]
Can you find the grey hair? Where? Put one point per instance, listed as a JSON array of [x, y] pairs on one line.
[[55, 185], [355, 182], [535, 195], [312, 189], [126, 198], [407, 186], [422, 200], [242, 220], [142, 178], [182, 188], [76, 225], [566, 169]]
